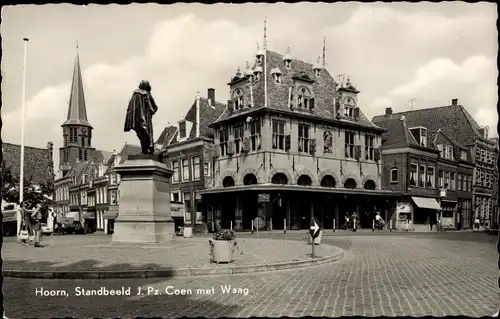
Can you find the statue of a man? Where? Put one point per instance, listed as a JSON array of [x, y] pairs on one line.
[[140, 111]]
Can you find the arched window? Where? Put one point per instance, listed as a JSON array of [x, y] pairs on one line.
[[238, 99], [228, 181], [328, 181], [369, 184], [303, 98], [304, 180], [350, 183], [279, 178], [249, 179]]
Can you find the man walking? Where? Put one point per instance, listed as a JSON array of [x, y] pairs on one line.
[[37, 217]]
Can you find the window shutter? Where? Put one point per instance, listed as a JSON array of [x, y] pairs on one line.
[[246, 144], [311, 103], [356, 114], [288, 143], [312, 146], [377, 154], [358, 151], [230, 148], [230, 105]]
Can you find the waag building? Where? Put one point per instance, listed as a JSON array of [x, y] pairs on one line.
[[293, 143]]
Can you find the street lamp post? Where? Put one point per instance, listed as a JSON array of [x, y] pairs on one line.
[[23, 106]]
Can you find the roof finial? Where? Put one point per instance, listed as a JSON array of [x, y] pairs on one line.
[[324, 52], [265, 33], [77, 46]]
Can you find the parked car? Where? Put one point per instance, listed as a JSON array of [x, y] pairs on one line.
[[46, 230]]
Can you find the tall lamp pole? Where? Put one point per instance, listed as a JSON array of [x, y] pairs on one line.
[[23, 106]]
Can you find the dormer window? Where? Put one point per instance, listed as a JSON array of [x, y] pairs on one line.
[[304, 99], [259, 59], [182, 129], [446, 151], [420, 135], [288, 64], [238, 99], [349, 105], [463, 155], [84, 178], [276, 74], [317, 72]]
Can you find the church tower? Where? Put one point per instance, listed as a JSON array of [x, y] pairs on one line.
[[77, 131]]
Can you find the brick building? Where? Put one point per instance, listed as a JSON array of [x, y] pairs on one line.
[[291, 143], [431, 170], [463, 132], [187, 150]]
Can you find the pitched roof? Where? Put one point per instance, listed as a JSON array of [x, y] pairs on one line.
[[453, 120], [166, 135], [38, 166], [324, 90], [102, 156], [208, 115], [127, 149], [397, 135], [77, 111]]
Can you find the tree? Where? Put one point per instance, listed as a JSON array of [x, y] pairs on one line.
[[32, 195]]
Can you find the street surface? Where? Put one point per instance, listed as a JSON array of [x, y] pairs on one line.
[[380, 275]]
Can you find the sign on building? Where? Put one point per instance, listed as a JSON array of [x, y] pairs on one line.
[[177, 210], [264, 198]]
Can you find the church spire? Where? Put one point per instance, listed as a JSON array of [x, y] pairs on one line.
[[77, 111]]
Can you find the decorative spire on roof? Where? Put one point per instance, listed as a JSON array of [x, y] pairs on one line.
[[287, 58], [324, 52], [260, 52], [265, 34], [238, 72], [248, 70], [317, 67], [77, 111]]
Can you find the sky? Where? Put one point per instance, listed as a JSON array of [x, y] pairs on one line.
[[393, 52]]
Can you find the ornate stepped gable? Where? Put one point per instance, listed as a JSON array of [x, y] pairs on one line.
[[323, 85]]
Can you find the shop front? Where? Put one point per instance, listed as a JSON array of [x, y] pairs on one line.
[[89, 219], [448, 214], [276, 207], [110, 216], [403, 217], [425, 213]]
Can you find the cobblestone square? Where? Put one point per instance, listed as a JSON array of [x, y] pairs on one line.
[[402, 274]]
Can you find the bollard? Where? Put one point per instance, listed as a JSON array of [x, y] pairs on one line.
[[213, 226], [284, 226], [407, 224], [373, 225], [354, 224], [271, 224], [231, 225], [334, 225], [390, 225], [252, 226]]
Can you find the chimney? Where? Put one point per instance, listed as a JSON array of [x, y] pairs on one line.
[[211, 96], [388, 112], [454, 102]]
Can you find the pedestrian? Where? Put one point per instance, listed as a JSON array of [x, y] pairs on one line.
[[431, 221], [25, 231], [37, 217], [476, 223]]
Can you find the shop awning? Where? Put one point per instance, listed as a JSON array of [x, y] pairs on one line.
[[429, 203], [299, 188]]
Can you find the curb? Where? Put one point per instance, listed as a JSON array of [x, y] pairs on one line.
[[163, 273]]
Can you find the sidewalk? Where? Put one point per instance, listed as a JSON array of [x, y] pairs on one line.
[[98, 257]]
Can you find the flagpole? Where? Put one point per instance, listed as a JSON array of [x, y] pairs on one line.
[[23, 106]]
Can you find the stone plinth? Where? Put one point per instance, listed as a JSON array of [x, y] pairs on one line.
[[144, 209]]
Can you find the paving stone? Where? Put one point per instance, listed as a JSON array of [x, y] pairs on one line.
[[379, 276]]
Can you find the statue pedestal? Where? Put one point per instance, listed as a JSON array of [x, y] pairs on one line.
[[144, 209]]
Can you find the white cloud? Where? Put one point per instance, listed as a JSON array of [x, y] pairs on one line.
[[473, 82], [391, 56]]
